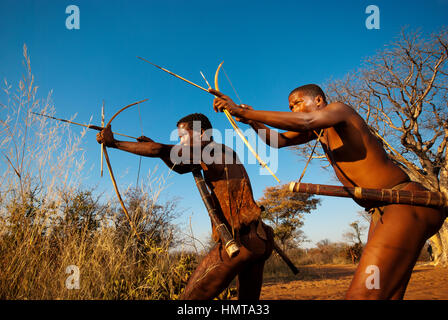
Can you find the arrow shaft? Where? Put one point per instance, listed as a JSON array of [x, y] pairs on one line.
[[89, 126], [175, 75]]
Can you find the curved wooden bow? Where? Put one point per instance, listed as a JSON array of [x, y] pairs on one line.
[[102, 145], [112, 177], [229, 117], [238, 130]]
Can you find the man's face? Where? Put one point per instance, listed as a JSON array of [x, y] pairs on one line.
[[299, 102], [187, 136]]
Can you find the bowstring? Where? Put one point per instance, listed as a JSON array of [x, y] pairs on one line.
[[311, 154], [231, 84], [315, 144], [227, 176], [237, 129]]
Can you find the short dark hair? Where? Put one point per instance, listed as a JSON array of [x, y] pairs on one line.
[[205, 123], [312, 90]]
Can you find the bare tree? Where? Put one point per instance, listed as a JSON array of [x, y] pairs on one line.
[[402, 93], [284, 212], [355, 233]]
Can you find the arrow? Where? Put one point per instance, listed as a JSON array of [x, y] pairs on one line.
[[90, 126]]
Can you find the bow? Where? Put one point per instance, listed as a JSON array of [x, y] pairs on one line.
[[238, 130], [229, 117], [88, 126], [102, 145], [112, 177], [104, 151]]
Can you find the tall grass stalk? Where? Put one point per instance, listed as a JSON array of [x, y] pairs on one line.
[[49, 221]]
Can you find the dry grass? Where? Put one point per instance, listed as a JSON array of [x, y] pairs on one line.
[[48, 221]]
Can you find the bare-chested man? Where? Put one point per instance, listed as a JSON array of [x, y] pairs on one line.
[[397, 232], [232, 196]]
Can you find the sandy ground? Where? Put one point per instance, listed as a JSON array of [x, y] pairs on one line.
[[330, 282]]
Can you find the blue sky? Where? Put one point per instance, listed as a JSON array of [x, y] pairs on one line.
[[269, 48]]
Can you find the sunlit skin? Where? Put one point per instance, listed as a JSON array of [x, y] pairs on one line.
[[216, 271], [358, 159], [188, 137]]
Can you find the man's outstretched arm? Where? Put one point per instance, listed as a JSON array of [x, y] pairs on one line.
[[329, 116], [277, 139], [144, 147]]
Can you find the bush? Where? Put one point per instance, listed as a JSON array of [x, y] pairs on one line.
[[49, 222]]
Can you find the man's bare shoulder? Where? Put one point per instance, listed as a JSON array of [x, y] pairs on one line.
[[336, 114]]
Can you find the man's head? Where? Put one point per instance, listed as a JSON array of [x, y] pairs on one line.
[[307, 98], [194, 128]]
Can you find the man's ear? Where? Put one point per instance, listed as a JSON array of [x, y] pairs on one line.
[[319, 100], [203, 134], [206, 135]]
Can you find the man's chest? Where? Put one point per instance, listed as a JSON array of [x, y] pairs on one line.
[[331, 143]]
